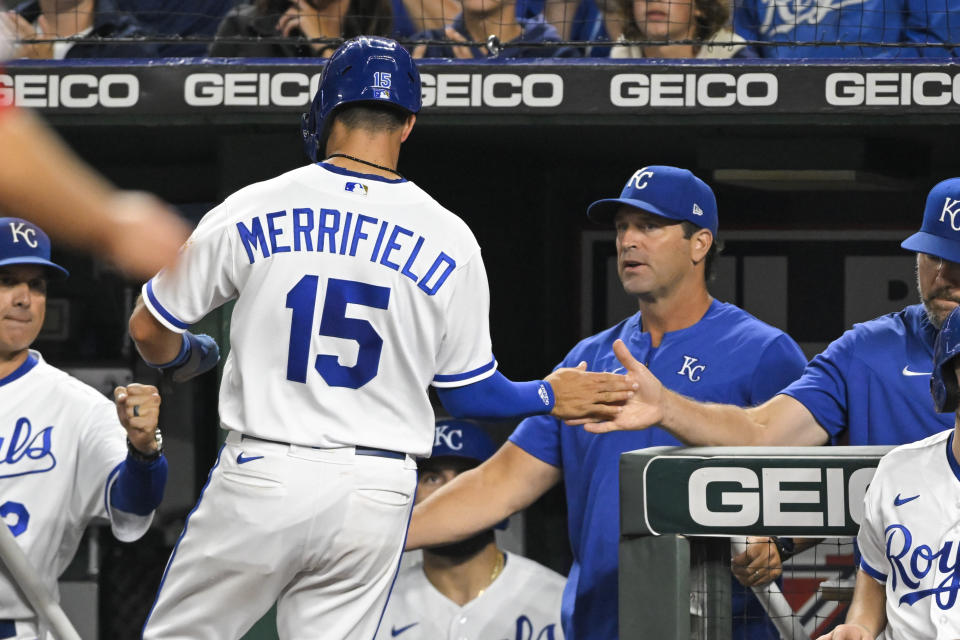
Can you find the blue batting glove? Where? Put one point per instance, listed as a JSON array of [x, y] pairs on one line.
[[201, 355]]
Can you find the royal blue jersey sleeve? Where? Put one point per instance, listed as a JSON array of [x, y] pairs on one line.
[[540, 437], [822, 388], [782, 362]]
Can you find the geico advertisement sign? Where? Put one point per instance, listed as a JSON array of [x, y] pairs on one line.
[[72, 90], [879, 89], [491, 90], [812, 496], [693, 90], [284, 89]]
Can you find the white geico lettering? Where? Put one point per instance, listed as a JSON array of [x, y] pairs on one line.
[[500, 90], [72, 90], [693, 90], [767, 491], [29, 234], [286, 89], [874, 89]]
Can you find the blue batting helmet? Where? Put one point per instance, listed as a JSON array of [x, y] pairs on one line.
[[364, 69], [943, 382], [461, 439]]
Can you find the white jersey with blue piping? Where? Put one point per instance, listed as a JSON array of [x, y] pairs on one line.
[[353, 294], [910, 538], [523, 603], [60, 443]]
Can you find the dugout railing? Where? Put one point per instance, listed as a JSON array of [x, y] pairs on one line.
[[681, 507]]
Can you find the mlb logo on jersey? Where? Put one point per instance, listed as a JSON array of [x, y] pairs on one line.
[[356, 187]]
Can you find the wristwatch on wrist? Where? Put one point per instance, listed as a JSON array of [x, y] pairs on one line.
[[786, 548], [139, 456]]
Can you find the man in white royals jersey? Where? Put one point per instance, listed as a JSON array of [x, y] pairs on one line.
[[909, 538], [354, 292], [470, 590], [67, 454]]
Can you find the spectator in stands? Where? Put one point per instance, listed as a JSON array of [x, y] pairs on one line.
[[834, 22], [93, 22], [577, 20], [480, 19], [413, 16], [299, 21], [703, 21], [189, 19]]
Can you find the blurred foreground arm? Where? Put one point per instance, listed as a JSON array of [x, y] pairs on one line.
[[42, 180]]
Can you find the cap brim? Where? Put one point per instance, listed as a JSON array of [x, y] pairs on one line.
[[54, 269], [603, 211], [934, 245]]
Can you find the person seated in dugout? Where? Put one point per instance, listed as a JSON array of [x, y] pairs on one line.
[[674, 21], [517, 37], [299, 21], [89, 24]]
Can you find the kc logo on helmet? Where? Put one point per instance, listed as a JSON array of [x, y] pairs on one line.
[[29, 234], [451, 438], [949, 205], [637, 179]]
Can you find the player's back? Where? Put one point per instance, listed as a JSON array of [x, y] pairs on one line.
[[353, 291]]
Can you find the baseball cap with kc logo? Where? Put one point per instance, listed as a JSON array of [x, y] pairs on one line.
[[669, 192], [939, 234], [23, 242]]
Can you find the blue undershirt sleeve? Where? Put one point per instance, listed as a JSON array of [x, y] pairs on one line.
[[497, 398], [781, 363], [139, 485]]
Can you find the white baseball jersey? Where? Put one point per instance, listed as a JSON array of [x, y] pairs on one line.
[[60, 443], [910, 538], [353, 294], [523, 603]]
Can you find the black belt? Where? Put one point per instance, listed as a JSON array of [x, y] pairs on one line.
[[8, 628], [360, 451]]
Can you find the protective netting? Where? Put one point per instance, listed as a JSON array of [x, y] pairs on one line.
[[901, 29], [806, 600]]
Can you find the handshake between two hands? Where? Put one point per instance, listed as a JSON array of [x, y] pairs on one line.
[[603, 402]]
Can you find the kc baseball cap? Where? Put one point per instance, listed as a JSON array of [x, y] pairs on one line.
[[22, 242], [939, 234], [664, 191], [461, 439]]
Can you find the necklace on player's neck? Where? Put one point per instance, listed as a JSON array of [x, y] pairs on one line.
[[497, 570], [369, 164]]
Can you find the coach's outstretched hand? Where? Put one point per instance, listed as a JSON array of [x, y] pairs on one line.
[[588, 395], [643, 408]]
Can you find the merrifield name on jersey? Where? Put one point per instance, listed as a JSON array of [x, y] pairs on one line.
[[346, 234]]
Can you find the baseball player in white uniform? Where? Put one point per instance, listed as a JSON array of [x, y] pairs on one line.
[[909, 538], [470, 590], [354, 292], [67, 454]]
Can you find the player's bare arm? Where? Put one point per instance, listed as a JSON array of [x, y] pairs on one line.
[[761, 562], [867, 616], [155, 342], [579, 393], [138, 407], [478, 499], [782, 420]]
